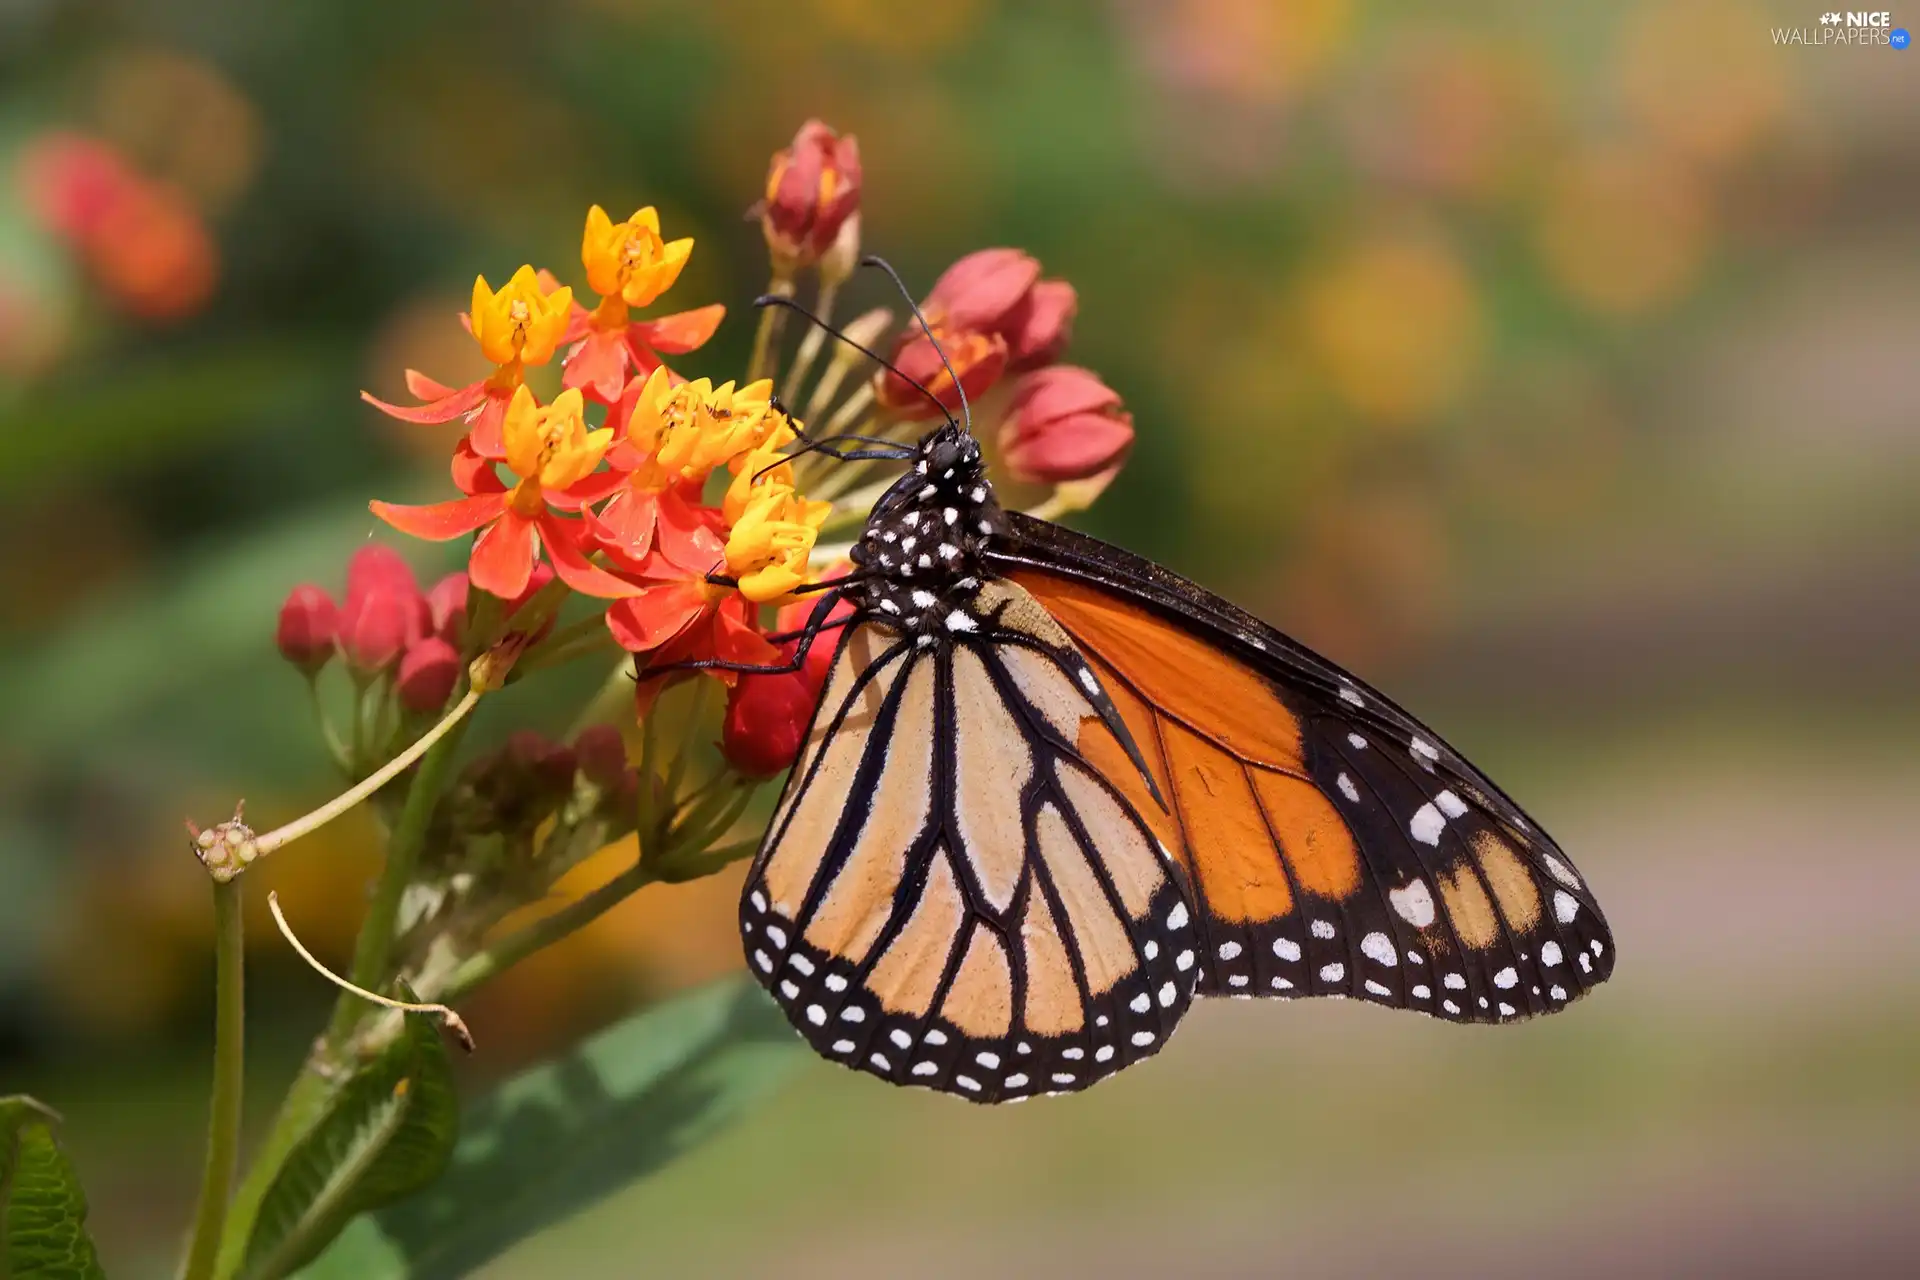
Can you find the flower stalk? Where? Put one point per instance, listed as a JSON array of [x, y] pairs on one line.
[[229, 1060]]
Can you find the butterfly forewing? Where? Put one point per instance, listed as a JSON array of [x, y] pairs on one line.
[[959, 889], [1336, 847]]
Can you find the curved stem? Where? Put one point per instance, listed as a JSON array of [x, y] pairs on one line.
[[229, 1059], [371, 783], [373, 953]]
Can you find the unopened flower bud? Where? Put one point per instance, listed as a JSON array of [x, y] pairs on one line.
[[377, 626], [309, 622], [840, 259], [1038, 330], [982, 290], [813, 187], [548, 765], [427, 674], [978, 359], [767, 719], [1064, 424], [602, 756], [447, 607]]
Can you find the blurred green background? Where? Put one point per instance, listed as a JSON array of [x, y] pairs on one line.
[[1553, 366]]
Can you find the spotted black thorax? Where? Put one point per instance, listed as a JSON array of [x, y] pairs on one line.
[[926, 538]]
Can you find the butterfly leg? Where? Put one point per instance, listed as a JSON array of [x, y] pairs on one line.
[[817, 624]]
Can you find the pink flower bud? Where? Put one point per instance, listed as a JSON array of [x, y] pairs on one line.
[[602, 755], [548, 765], [813, 187], [384, 610], [378, 566], [981, 291], [979, 359], [447, 607], [1064, 424], [376, 628], [767, 719], [1038, 330], [428, 671], [309, 622]]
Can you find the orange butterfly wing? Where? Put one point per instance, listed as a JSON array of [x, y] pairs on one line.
[[1336, 847]]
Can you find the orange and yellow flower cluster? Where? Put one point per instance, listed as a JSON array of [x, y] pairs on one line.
[[608, 482]]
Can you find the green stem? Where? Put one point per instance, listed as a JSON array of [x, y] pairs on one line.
[[328, 733], [373, 953], [544, 932], [229, 1058], [766, 338], [810, 344]]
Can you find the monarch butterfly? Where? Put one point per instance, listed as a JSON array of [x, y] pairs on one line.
[[1052, 792]]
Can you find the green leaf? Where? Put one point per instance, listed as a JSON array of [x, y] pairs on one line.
[[387, 1133], [43, 1212], [568, 1133]]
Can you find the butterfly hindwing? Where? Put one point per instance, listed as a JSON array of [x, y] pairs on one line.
[[954, 892]]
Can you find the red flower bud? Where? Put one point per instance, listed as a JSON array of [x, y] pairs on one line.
[[813, 187], [602, 755], [447, 607], [428, 671], [1064, 424], [549, 765], [979, 359], [981, 291], [384, 611], [767, 719], [1038, 330], [309, 622]]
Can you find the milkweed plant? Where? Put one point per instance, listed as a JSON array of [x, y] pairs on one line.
[[675, 520]]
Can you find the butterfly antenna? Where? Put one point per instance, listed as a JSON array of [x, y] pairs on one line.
[[966, 412], [774, 300]]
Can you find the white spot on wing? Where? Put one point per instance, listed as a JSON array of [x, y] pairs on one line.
[[1506, 978], [1550, 954], [1378, 947], [1348, 695], [1177, 918], [1168, 994], [1347, 788], [1228, 950], [1565, 906], [1426, 825], [1332, 972], [1286, 948], [1424, 751], [1322, 929], [1450, 804]]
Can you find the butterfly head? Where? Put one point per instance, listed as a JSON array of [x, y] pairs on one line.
[[925, 540]]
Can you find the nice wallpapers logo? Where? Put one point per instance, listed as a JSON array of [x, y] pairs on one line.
[[1847, 30]]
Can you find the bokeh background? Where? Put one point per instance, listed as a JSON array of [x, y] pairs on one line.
[[1552, 366]]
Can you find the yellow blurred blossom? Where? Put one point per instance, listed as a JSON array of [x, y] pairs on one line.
[[1396, 327], [1623, 230]]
